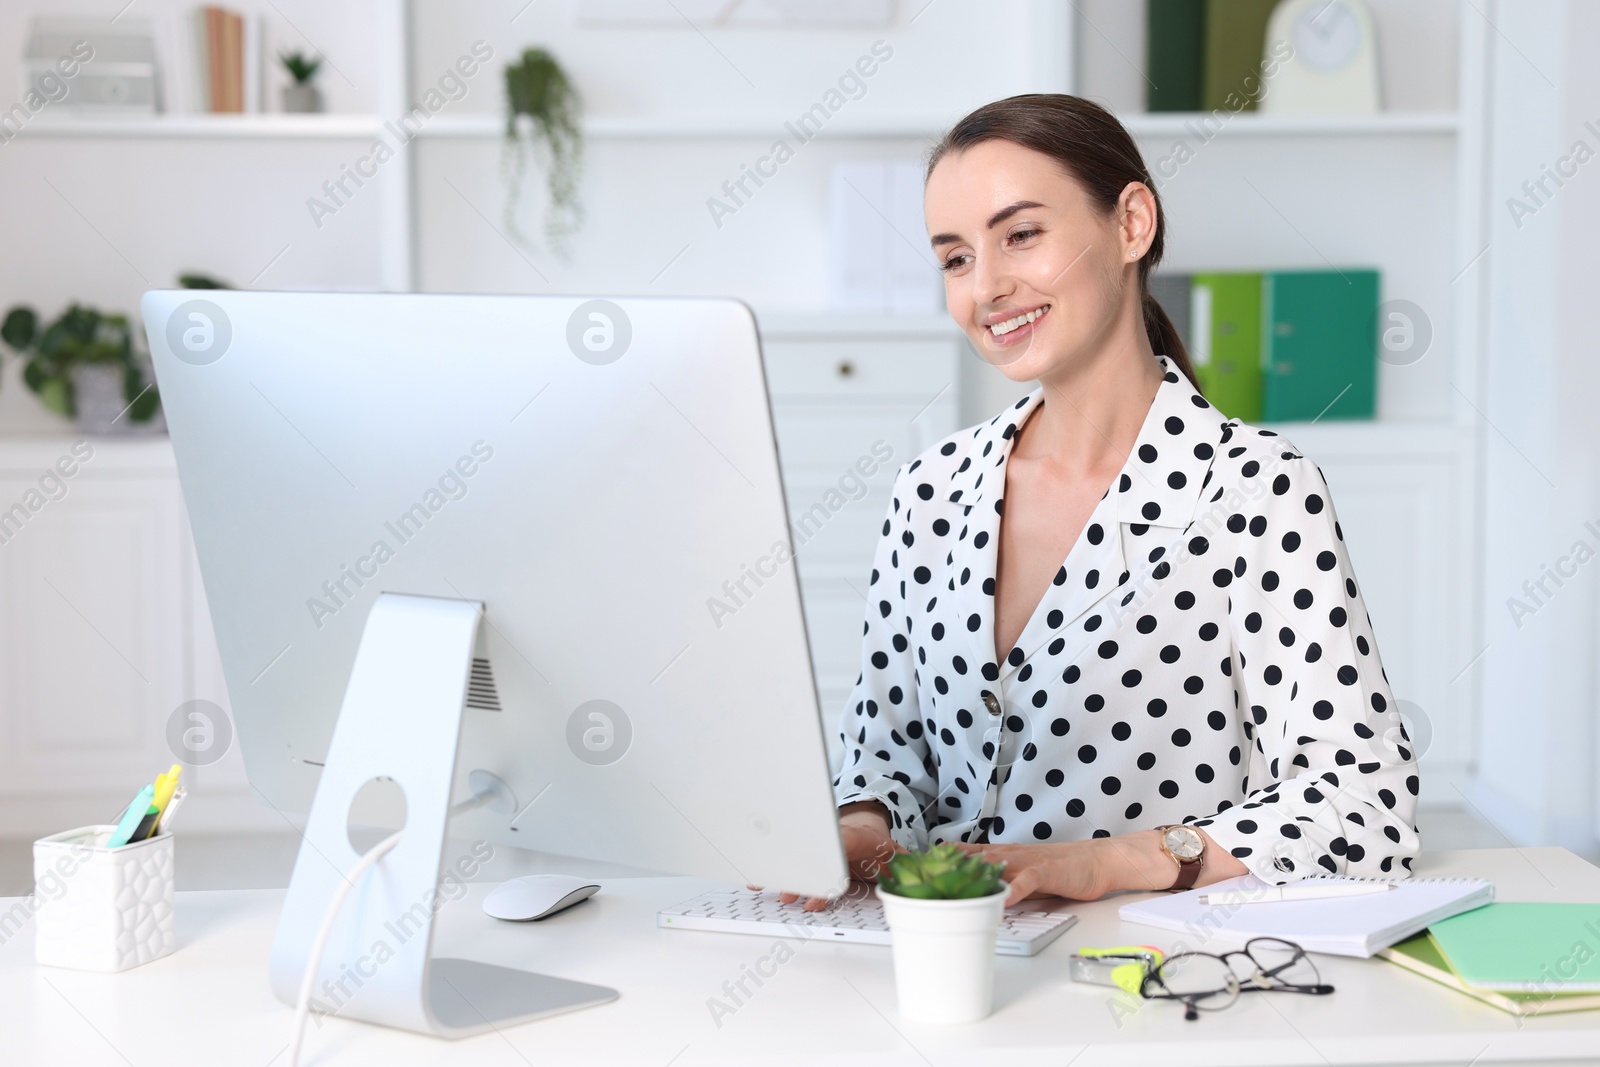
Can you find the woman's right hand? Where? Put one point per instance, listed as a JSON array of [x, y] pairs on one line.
[[868, 845]]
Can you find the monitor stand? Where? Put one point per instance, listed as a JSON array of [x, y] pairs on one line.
[[401, 719]]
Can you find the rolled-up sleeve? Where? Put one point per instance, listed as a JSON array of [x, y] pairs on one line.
[[885, 755], [1332, 783]]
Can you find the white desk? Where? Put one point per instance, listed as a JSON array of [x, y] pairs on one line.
[[209, 1002]]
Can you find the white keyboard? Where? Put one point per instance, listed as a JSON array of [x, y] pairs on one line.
[[857, 916]]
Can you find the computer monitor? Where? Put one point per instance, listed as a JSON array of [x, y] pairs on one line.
[[588, 474]]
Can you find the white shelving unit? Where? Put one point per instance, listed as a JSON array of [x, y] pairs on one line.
[[1407, 485], [1407, 488]]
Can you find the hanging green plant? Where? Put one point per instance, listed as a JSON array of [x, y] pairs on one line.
[[542, 114]]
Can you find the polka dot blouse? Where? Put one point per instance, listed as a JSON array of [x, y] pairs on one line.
[[1203, 656]]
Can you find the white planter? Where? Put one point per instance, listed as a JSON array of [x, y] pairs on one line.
[[98, 908], [944, 955]]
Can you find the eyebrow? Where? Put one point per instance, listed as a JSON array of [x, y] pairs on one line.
[[994, 220]]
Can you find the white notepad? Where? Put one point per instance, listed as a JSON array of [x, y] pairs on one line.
[[1339, 926]]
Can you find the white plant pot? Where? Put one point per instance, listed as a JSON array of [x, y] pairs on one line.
[[944, 955]]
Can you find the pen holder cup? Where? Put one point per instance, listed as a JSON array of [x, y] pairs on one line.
[[99, 908]]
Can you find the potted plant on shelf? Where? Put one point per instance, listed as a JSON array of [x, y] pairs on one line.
[[301, 97], [943, 907], [84, 365], [542, 113]]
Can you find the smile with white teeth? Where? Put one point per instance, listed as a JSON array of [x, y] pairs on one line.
[[1001, 328]]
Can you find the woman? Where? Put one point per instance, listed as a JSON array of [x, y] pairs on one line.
[[1195, 692]]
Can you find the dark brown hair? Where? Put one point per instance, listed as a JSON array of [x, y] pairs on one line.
[[1092, 147]]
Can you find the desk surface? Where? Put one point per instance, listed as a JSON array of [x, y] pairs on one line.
[[209, 1002]]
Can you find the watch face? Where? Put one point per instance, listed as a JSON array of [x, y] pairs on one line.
[[1183, 843]]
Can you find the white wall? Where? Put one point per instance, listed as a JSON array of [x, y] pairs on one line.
[[1538, 760]]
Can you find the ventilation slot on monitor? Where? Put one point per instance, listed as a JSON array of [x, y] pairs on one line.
[[481, 692]]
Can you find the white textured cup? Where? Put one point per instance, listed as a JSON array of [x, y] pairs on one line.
[[98, 908], [944, 955]]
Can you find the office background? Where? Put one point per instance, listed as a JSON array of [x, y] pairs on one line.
[[1474, 484]]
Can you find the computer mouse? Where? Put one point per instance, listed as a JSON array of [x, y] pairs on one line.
[[537, 896]]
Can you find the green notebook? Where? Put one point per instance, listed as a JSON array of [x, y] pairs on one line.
[[1421, 955], [1174, 41], [1235, 43], [1225, 327], [1526, 948], [1321, 344]]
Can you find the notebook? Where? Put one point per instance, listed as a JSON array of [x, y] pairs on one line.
[[1338, 926], [1525, 948], [1421, 955]]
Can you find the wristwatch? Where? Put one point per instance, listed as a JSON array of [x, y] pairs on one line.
[[1187, 849]]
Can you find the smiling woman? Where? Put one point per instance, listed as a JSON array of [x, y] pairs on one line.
[[1157, 669]]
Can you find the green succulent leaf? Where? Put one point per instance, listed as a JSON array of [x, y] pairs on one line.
[[301, 67], [943, 872]]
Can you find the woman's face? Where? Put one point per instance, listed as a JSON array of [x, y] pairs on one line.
[[1016, 236]]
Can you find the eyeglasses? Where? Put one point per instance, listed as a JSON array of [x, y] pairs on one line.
[[1207, 981]]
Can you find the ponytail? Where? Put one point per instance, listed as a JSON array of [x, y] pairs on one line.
[[1164, 337]]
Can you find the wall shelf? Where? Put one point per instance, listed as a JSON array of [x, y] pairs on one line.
[[223, 127], [707, 127], [1254, 124]]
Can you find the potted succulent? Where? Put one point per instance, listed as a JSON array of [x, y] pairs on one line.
[[542, 117], [84, 365], [301, 97], [943, 907]]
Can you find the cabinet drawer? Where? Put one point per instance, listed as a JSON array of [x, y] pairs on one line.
[[867, 367]]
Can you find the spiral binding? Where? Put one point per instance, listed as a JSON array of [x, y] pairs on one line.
[[1342, 879]]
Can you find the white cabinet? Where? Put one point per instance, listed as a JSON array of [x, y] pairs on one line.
[[93, 623], [851, 396], [1404, 496]]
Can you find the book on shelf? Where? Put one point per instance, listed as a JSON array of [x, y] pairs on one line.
[[1319, 344], [1279, 346], [212, 61], [1174, 41], [1235, 42], [1289, 57], [1199, 53], [1225, 312]]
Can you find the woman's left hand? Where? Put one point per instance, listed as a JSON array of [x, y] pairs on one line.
[[1088, 870], [1071, 869]]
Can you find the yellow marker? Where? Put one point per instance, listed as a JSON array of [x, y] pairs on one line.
[[165, 784], [1124, 966]]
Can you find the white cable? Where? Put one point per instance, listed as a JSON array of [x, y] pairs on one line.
[[302, 1009]]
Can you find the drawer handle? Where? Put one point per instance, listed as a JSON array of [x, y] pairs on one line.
[[846, 368]]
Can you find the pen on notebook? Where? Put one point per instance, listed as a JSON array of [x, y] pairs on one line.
[[1295, 892]]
